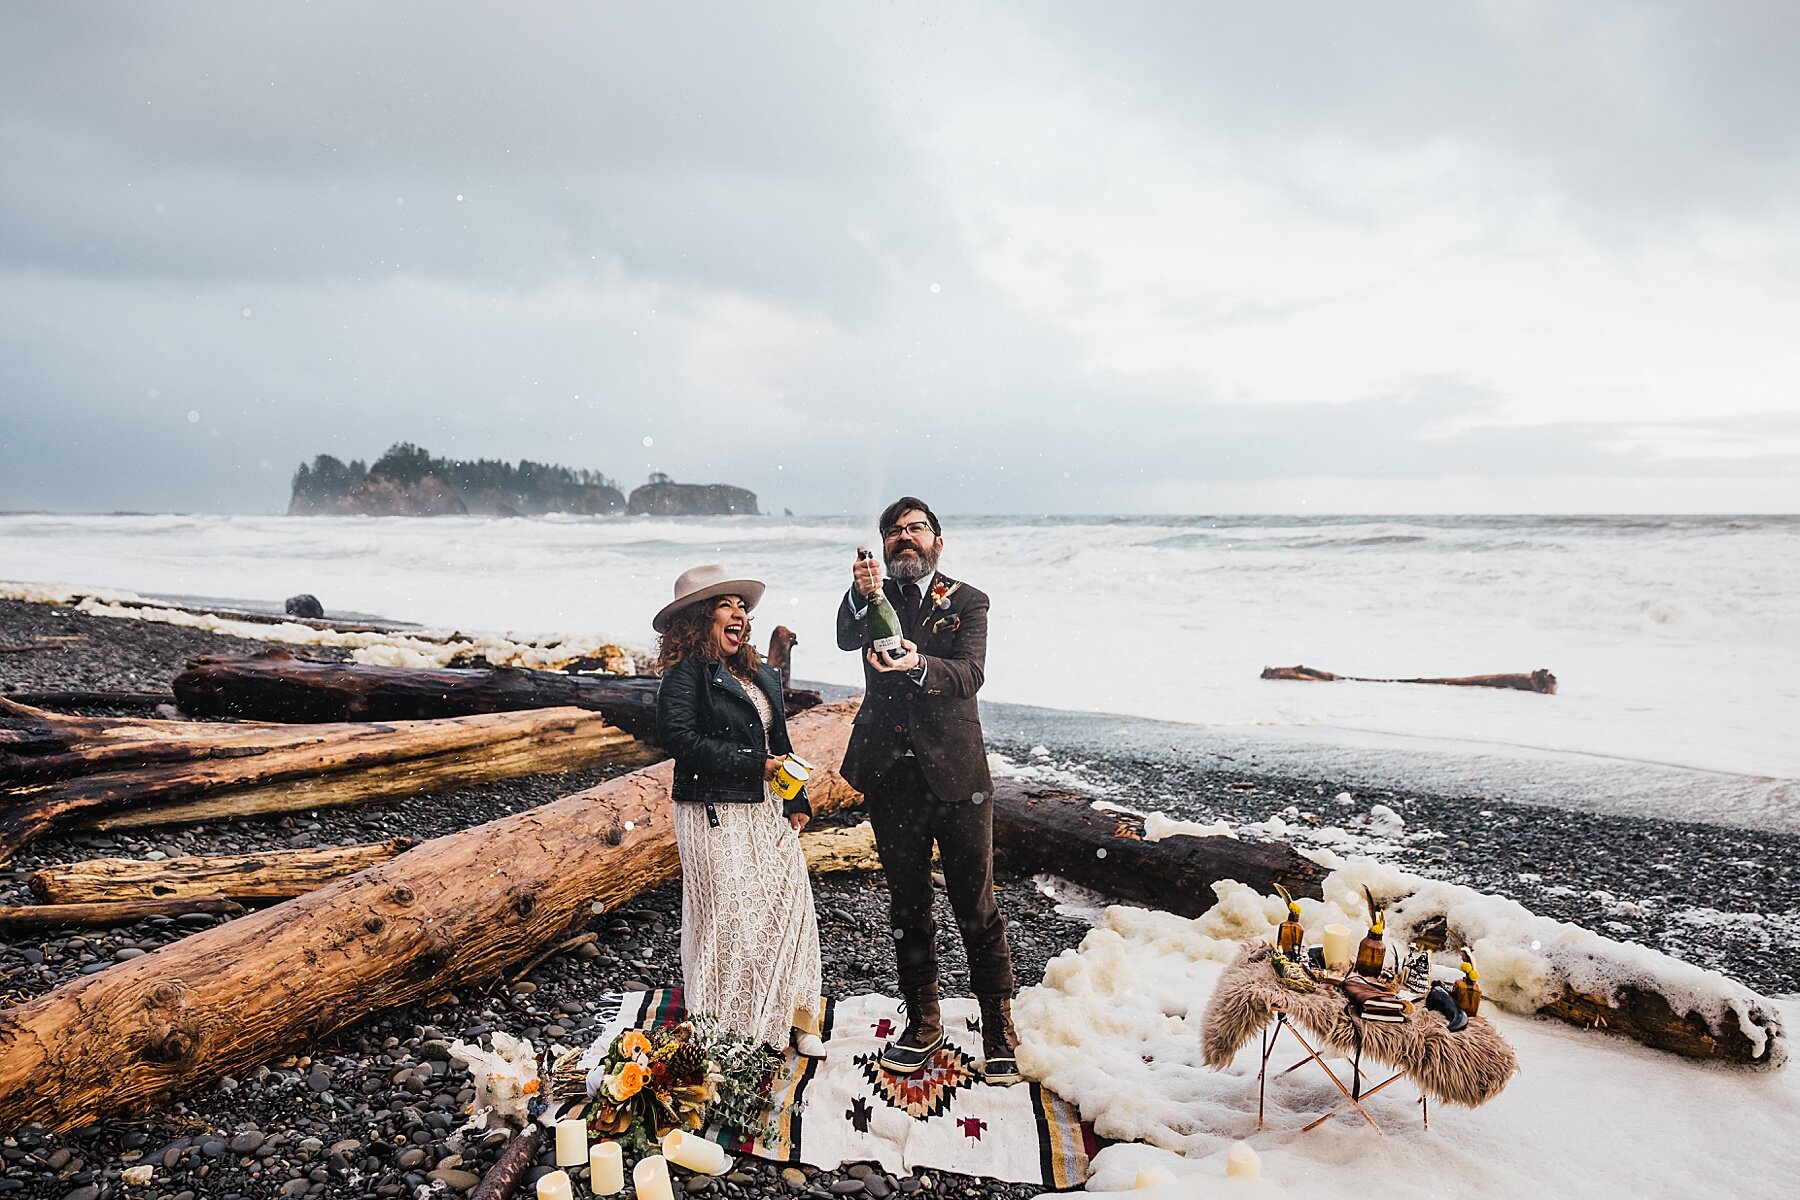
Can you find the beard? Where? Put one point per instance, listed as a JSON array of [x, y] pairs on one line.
[[914, 567]]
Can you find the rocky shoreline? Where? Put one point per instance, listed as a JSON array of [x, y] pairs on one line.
[[371, 1112]]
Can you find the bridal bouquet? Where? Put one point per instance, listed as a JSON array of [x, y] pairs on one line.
[[684, 1076]]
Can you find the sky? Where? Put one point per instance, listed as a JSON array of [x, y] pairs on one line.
[[1015, 257]]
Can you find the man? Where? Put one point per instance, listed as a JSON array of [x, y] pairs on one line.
[[916, 754]]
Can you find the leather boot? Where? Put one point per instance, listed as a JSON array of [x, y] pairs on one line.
[[998, 1041], [923, 1037]]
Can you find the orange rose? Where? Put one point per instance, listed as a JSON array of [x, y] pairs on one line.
[[632, 1042], [630, 1081]]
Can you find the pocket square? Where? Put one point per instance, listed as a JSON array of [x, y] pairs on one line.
[[952, 623]]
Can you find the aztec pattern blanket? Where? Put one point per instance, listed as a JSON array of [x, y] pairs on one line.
[[845, 1108]]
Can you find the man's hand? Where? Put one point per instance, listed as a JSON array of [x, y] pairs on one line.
[[865, 576], [906, 662], [798, 821]]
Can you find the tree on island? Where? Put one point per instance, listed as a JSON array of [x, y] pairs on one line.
[[408, 481]]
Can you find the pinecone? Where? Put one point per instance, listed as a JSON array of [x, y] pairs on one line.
[[688, 1062]]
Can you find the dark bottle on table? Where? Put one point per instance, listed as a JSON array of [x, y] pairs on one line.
[[1371, 952]]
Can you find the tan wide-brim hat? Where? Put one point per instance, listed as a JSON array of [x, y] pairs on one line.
[[704, 583]]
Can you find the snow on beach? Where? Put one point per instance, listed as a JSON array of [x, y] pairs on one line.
[[1116, 1028]]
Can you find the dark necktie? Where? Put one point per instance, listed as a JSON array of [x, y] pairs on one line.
[[911, 594]]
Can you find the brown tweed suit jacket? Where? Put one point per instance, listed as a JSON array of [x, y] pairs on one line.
[[939, 722]]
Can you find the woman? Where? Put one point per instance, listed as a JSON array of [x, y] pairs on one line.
[[749, 938]]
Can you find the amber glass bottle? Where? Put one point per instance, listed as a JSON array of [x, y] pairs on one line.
[[1371, 952], [1467, 990]]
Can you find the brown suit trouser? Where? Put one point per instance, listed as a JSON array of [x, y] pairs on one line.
[[908, 818]]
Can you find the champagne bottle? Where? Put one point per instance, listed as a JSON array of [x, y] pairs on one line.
[[1371, 953], [1289, 934], [1467, 992], [884, 622]]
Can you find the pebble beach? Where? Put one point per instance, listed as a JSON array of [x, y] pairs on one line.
[[373, 1111]]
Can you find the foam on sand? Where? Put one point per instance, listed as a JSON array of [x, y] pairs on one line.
[[1115, 1028]]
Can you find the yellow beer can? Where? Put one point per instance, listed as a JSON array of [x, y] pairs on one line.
[[791, 776]]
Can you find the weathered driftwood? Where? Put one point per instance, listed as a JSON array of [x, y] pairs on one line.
[[1539, 680], [167, 771], [276, 686], [457, 909], [273, 875], [90, 699], [1042, 830], [30, 917], [781, 654], [840, 849], [520, 1155]]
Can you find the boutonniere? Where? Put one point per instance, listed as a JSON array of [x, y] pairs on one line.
[[941, 593]]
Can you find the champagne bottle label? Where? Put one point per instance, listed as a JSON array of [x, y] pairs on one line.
[[889, 646]]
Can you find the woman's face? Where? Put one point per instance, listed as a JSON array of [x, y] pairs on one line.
[[730, 624]]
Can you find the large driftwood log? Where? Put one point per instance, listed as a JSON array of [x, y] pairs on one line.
[[276, 686], [274, 875], [456, 909], [1539, 680], [1041, 830], [30, 917], [167, 771]]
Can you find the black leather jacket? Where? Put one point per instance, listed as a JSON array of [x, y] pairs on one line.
[[706, 722]]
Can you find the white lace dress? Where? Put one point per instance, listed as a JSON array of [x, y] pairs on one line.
[[749, 936]]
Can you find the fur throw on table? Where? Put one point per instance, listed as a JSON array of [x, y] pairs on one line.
[[1468, 1068]]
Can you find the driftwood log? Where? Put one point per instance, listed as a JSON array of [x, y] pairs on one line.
[[59, 770], [1041, 830], [1539, 680], [276, 686], [30, 917], [457, 909], [520, 1155], [274, 875]]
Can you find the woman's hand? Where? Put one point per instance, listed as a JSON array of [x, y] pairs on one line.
[[770, 766], [798, 821]]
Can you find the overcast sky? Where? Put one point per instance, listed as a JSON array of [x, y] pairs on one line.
[[1028, 257]]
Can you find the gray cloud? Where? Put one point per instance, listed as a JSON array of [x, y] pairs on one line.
[[718, 228]]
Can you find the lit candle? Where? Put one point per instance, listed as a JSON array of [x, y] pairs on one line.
[[1242, 1162], [606, 1169], [651, 1179], [695, 1153], [554, 1186], [1153, 1176], [1338, 950], [571, 1142]]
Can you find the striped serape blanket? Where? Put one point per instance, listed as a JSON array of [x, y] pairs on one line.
[[845, 1108]]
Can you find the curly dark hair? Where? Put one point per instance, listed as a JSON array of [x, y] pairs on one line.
[[690, 635]]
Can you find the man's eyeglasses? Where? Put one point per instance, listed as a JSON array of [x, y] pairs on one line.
[[913, 530]]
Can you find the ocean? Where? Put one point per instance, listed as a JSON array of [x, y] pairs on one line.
[[1675, 640]]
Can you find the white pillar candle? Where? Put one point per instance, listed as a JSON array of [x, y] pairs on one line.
[[695, 1153], [606, 1168], [1153, 1176], [651, 1179], [554, 1186], [571, 1142], [1336, 939], [1243, 1162]]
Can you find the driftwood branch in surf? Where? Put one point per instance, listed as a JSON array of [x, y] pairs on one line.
[[1540, 680]]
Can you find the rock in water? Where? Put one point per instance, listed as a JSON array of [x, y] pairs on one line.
[[304, 605]]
